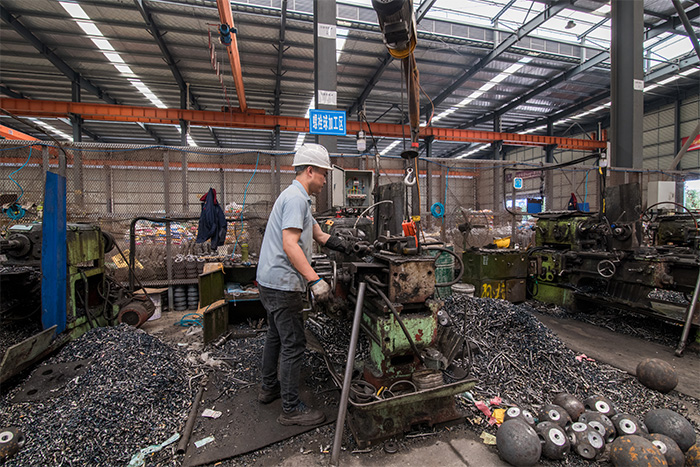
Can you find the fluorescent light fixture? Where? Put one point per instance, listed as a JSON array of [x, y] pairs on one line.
[[390, 147], [75, 10], [668, 80], [649, 88], [89, 28], [689, 71]]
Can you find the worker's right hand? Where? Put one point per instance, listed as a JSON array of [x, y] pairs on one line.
[[321, 291]]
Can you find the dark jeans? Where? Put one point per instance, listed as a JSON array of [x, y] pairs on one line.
[[284, 343]]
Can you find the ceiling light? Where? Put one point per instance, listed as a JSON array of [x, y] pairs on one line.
[[570, 25]]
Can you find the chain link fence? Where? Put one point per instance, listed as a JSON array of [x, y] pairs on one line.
[[112, 185]]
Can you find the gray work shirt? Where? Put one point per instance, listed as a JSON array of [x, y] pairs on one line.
[[291, 210]]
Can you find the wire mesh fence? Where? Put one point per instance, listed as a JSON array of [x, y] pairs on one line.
[[112, 185]]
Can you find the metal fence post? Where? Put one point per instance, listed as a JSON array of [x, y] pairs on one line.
[[168, 231]]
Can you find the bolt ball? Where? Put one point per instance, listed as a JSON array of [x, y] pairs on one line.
[[672, 424], [633, 451]]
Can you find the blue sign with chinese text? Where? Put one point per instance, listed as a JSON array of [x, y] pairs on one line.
[[327, 122]]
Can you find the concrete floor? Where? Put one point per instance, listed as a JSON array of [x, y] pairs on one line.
[[466, 448]]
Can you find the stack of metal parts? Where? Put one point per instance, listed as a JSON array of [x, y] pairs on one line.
[[180, 298], [192, 297]]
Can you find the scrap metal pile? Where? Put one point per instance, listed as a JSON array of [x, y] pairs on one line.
[[134, 393]]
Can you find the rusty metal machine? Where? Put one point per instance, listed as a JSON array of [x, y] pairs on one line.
[[583, 260], [411, 341], [89, 301]]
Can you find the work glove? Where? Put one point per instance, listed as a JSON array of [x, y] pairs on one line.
[[339, 244], [321, 290]]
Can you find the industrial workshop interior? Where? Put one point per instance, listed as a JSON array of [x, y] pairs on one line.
[[349, 232]]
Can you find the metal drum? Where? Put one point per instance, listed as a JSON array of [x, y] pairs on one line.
[[444, 270]]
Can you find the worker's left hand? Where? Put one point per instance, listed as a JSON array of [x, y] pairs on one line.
[[321, 291]]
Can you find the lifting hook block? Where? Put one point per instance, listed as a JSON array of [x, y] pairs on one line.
[[410, 178]]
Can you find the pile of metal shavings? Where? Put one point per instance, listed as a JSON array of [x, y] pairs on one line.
[[12, 333], [135, 394], [520, 360], [621, 322]]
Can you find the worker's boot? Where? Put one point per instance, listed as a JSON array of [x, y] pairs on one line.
[[265, 396], [302, 415]]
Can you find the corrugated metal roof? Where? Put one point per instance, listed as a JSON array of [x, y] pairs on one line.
[[453, 38]]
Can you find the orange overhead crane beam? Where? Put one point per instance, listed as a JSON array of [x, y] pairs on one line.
[[226, 17], [125, 113], [9, 133]]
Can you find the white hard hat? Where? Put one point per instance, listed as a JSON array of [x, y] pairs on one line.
[[312, 154]]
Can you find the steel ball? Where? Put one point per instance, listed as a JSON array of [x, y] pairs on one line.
[[627, 424], [556, 414], [673, 425], [555, 441], [657, 374], [600, 423], [633, 451], [600, 404], [571, 404], [692, 456], [672, 453], [518, 443]]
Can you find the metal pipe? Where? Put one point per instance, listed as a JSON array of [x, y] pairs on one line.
[[345, 393], [688, 319], [187, 431]]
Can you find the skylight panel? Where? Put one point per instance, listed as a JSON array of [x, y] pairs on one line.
[[113, 57], [341, 36], [673, 48], [89, 28], [102, 44], [75, 10], [52, 129], [390, 147]]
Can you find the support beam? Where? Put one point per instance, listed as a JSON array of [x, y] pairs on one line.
[[627, 84], [280, 55], [523, 31], [62, 66], [567, 75], [105, 112], [10, 93]]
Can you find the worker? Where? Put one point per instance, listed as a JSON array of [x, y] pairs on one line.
[[284, 272]]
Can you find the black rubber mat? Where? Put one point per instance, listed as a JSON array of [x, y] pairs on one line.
[[48, 380], [245, 425]]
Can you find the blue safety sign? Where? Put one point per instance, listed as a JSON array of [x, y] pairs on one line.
[[517, 183], [327, 122]]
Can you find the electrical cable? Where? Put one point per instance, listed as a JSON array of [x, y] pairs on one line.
[[459, 261], [15, 211]]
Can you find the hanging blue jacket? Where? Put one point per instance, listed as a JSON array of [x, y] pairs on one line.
[[212, 221]]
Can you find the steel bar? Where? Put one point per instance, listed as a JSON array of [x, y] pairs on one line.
[[689, 318], [349, 366]]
